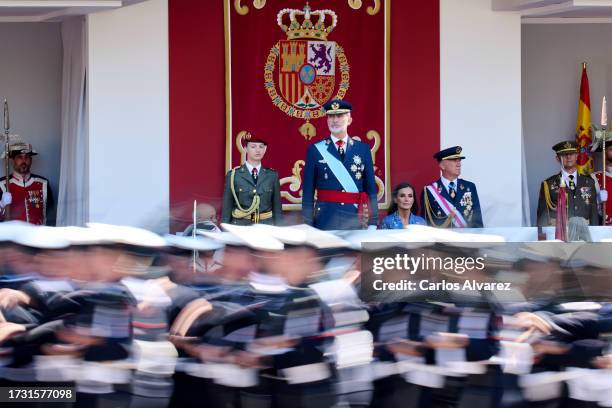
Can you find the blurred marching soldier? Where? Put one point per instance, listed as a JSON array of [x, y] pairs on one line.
[[429, 337], [341, 171], [581, 193], [451, 202], [252, 192], [29, 195], [286, 347], [602, 194]]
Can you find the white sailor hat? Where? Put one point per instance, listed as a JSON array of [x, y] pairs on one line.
[[41, 238], [253, 237], [304, 235], [222, 237], [120, 234], [381, 239], [595, 254], [82, 236], [199, 243], [544, 251]]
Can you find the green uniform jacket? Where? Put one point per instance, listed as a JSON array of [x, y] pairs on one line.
[[268, 189], [581, 202]]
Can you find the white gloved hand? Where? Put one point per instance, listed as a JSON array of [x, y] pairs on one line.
[[603, 195], [7, 199], [372, 227]]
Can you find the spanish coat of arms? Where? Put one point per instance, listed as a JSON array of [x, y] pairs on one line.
[[301, 72]]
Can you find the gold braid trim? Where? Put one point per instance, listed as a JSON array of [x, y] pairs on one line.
[[549, 202], [429, 213], [241, 212]]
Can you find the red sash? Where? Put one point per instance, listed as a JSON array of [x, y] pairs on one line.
[[342, 197]]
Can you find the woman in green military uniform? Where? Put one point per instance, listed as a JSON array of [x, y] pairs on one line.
[[252, 192]]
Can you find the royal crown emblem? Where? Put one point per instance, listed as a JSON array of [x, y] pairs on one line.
[[297, 30], [304, 78]]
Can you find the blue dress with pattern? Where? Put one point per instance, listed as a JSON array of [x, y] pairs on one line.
[[393, 221]]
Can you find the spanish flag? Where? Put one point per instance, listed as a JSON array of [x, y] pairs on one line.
[[583, 126]]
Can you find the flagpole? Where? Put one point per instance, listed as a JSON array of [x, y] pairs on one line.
[[604, 175], [7, 209]]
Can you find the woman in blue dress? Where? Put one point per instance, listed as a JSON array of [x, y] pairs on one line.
[[403, 208]]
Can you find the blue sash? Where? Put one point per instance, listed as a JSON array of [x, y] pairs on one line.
[[337, 168]]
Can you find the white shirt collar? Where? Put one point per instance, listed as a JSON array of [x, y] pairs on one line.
[[21, 178], [446, 182], [250, 167], [565, 175], [335, 139]]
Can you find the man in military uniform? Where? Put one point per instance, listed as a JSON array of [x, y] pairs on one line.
[[341, 170], [580, 190], [451, 202], [29, 195], [598, 176], [252, 192]]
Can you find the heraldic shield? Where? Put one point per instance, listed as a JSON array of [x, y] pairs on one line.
[[307, 66], [306, 76]]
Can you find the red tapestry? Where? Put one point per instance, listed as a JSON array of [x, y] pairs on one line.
[[284, 60]]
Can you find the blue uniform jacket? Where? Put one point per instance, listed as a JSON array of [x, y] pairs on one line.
[[466, 201], [318, 176]]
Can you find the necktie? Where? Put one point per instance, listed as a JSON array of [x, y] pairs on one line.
[[340, 144], [571, 183], [451, 189], [254, 174]]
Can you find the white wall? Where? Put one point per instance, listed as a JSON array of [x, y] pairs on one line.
[[128, 115], [30, 79], [552, 65], [480, 102]]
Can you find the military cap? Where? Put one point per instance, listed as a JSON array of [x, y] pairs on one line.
[[337, 107], [249, 138], [568, 146], [21, 148], [449, 154]]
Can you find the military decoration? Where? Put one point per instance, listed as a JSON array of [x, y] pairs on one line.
[[585, 193], [35, 198], [357, 167], [466, 203]]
